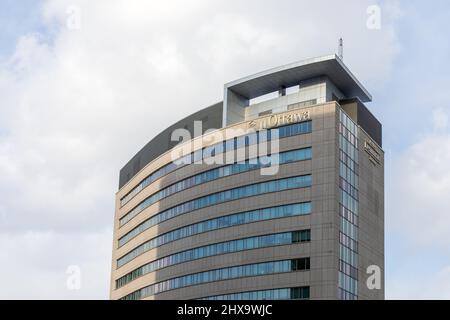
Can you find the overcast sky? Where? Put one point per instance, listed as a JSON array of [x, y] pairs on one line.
[[85, 84]]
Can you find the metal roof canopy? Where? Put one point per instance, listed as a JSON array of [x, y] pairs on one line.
[[291, 74]]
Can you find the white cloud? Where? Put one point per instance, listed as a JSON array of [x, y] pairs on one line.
[[420, 185], [440, 119], [34, 265], [77, 104]]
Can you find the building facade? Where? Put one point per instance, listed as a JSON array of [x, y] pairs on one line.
[[279, 194]]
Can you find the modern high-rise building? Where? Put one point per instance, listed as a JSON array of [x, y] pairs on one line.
[[275, 193]]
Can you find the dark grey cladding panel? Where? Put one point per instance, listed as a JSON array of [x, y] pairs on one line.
[[211, 118], [364, 118], [370, 124]]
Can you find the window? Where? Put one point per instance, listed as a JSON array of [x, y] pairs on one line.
[[299, 293], [301, 236], [300, 264]]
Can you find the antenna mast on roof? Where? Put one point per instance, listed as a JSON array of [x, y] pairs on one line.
[[341, 49]]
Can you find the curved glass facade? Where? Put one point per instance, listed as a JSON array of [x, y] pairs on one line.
[[230, 195], [228, 145], [220, 197], [217, 249], [207, 176], [228, 273], [230, 220], [219, 223]]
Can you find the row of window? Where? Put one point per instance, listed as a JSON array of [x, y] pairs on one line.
[[348, 174], [271, 294], [219, 223], [345, 159], [220, 197], [214, 174], [348, 177], [348, 242], [348, 122], [230, 195], [164, 170], [222, 147], [349, 229], [345, 295], [348, 269], [348, 255], [348, 184], [348, 215], [217, 249], [348, 148], [347, 168], [349, 285], [347, 187], [227, 273], [348, 135], [348, 201]]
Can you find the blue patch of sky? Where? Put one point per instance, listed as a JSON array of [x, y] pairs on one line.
[[419, 79], [417, 85], [411, 266], [18, 18]]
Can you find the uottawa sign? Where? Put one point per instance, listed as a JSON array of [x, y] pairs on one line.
[[276, 120]]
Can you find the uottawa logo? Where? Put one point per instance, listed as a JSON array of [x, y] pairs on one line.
[[260, 149], [278, 120]]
